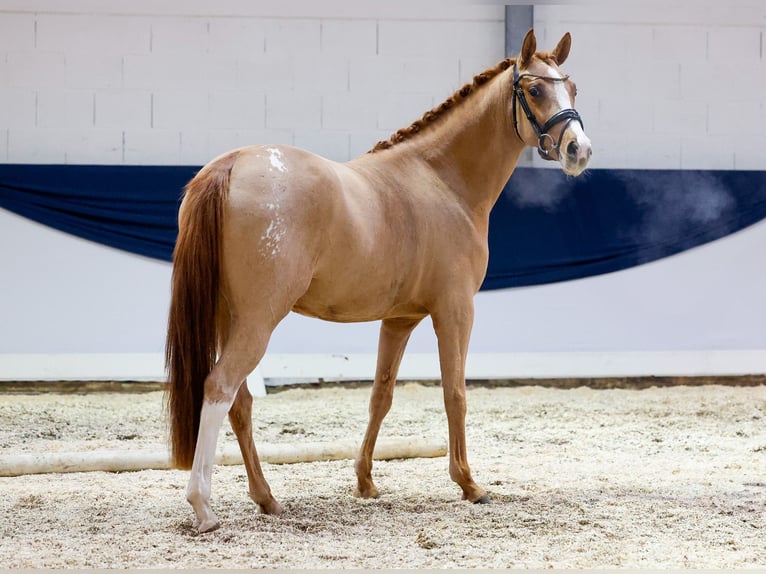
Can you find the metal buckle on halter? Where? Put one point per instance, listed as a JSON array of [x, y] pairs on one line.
[[545, 153]]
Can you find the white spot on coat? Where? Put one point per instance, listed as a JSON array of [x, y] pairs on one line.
[[276, 230], [275, 157]]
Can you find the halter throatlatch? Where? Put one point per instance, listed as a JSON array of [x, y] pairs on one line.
[[545, 143]]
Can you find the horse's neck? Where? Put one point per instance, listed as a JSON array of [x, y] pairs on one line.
[[474, 148], [469, 152]]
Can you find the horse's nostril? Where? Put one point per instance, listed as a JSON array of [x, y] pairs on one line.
[[573, 148]]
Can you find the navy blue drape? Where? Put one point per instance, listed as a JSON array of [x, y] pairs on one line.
[[133, 208], [545, 227]]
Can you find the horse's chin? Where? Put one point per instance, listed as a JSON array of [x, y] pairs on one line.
[[573, 168]]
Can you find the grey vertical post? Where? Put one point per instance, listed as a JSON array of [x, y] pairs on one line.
[[518, 20]]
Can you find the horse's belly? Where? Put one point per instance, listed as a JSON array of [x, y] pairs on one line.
[[356, 306]]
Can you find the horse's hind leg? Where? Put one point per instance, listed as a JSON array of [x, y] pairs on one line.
[[239, 357], [240, 417], [394, 334]]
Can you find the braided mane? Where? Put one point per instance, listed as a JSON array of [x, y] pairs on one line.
[[431, 116]]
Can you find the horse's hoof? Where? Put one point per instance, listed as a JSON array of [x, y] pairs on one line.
[[208, 526], [481, 499], [368, 493], [272, 508]]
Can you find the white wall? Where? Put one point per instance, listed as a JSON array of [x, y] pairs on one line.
[[178, 82], [141, 82], [63, 294]]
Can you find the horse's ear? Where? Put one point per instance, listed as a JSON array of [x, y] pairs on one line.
[[528, 49], [561, 51]]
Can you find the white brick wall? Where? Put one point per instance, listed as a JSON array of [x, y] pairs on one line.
[[64, 108], [179, 82], [17, 32], [94, 71], [142, 146], [18, 108], [237, 110], [67, 34], [339, 38], [120, 108], [65, 145], [184, 37], [35, 70], [179, 109], [681, 86]]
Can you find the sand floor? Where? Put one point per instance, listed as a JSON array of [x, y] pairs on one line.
[[579, 478]]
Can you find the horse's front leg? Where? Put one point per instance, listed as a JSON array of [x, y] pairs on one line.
[[453, 330], [394, 334]]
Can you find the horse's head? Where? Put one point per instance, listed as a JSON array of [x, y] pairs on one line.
[[545, 97]]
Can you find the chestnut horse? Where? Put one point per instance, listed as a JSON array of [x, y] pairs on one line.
[[394, 235]]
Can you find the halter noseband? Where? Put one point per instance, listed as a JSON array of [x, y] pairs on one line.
[[567, 115]]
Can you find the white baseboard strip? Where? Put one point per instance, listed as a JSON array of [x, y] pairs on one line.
[[279, 367]]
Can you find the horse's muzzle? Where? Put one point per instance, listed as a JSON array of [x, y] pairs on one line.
[[575, 151]]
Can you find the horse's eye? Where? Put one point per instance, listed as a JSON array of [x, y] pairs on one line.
[[534, 91]]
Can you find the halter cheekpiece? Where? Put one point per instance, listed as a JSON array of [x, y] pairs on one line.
[[543, 137]]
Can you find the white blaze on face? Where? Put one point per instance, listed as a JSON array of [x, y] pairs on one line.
[[563, 102]]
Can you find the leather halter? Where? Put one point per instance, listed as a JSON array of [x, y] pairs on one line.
[[566, 115]]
